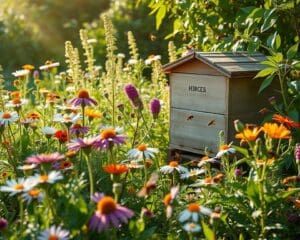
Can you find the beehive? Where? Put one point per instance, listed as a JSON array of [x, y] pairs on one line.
[[208, 92]]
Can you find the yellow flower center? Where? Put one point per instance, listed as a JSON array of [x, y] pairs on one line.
[[208, 180], [19, 186], [194, 207], [167, 199], [53, 237], [106, 205], [108, 133], [44, 178], [6, 115], [173, 164], [34, 193], [16, 101], [142, 147], [83, 94]]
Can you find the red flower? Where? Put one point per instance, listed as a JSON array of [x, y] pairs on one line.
[[61, 135], [286, 121]]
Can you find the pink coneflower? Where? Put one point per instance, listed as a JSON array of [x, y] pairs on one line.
[[133, 96], [77, 129], [108, 137], [86, 143], [108, 213], [155, 107], [45, 158], [83, 99]]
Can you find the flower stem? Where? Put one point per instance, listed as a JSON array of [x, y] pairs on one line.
[[21, 205], [89, 165]]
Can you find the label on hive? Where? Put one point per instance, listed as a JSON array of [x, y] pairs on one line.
[[196, 92]]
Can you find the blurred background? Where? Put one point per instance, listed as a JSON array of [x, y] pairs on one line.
[[34, 31]]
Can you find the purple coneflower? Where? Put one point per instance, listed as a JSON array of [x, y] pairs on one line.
[[108, 213], [108, 137], [133, 96], [77, 129], [155, 107], [82, 143], [45, 158], [83, 99]]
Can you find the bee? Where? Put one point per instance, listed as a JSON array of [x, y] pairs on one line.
[[211, 122], [150, 185], [152, 37], [190, 117]]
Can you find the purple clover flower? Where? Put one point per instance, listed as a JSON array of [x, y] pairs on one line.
[[155, 107], [133, 95], [297, 153]]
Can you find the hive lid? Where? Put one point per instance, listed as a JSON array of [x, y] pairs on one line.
[[231, 64]]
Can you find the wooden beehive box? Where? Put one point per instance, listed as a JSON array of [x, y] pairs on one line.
[[208, 92]]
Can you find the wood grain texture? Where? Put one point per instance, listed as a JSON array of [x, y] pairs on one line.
[[186, 92]]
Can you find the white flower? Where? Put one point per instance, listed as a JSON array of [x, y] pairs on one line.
[[173, 165], [67, 118], [20, 185], [16, 103], [193, 212], [27, 167], [50, 65], [121, 55], [8, 117], [157, 57], [224, 149], [148, 61], [169, 199], [135, 164], [21, 73], [52, 177], [192, 227], [142, 152], [91, 40], [48, 131], [193, 172], [54, 233], [33, 194], [208, 160], [132, 61]]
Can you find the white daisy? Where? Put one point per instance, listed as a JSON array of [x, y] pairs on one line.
[[224, 149], [52, 177], [206, 160], [20, 185], [192, 227], [48, 131], [49, 66], [54, 232], [8, 117], [192, 173], [169, 199], [27, 167], [16, 103], [67, 118], [173, 165], [33, 194], [21, 73], [142, 152], [193, 212], [134, 164]]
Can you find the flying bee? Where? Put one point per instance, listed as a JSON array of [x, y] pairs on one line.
[[152, 37], [149, 186], [190, 117], [211, 122]]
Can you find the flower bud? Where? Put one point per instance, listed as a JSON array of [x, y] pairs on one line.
[[117, 188], [155, 107], [3, 224]]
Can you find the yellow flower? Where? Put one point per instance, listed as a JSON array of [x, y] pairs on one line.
[[92, 113], [28, 67], [249, 134], [273, 130]]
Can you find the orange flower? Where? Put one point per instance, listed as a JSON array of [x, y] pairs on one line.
[[92, 113], [28, 67], [273, 130], [115, 168], [286, 121], [249, 134], [33, 116]]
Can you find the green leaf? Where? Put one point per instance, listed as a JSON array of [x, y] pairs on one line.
[[208, 233], [160, 15], [241, 150], [266, 82], [292, 51], [277, 41], [278, 57], [176, 26], [271, 40], [297, 66], [270, 20], [266, 72], [253, 193]]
